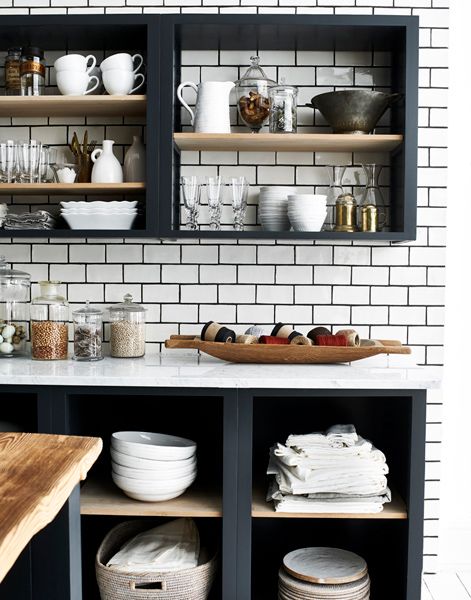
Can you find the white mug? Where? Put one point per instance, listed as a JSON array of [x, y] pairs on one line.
[[120, 83], [71, 83], [75, 62], [122, 61]]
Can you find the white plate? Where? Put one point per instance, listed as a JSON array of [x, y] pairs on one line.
[[158, 446], [149, 464]]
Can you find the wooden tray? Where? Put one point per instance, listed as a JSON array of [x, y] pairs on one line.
[[284, 354]]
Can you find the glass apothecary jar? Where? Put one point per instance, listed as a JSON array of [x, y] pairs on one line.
[[49, 323], [14, 310], [88, 333], [127, 329], [283, 109], [252, 96]]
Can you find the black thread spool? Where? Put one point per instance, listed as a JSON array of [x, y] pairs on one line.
[[312, 335], [214, 332], [284, 331]]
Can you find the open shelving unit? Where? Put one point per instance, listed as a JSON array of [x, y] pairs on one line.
[[70, 189]]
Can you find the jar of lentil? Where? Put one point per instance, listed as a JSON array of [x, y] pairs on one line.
[[14, 311], [127, 329], [49, 323], [88, 333]]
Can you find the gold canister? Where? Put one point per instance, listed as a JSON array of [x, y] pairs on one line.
[[345, 213], [369, 218]]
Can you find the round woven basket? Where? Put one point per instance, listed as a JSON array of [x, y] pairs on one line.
[[188, 584], [294, 589]]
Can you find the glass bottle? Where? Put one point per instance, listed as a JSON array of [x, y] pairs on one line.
[[336, 175], [372, 205], [12, 72], [252, 96], [127, 329], [14, 310], [283, 109], [32, 71], [49, 323], [88, 333]]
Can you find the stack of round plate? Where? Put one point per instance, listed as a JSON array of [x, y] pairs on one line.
[[323, 574], [152, 466], [273, 207], [307, 212]]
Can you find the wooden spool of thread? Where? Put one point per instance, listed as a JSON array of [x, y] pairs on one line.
[[301, 340], [273, 339], [353, 339], [285, 331], [331, 340], [214, 332], [312, 335], [247, 339]]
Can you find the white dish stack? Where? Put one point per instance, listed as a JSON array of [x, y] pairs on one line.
[[100, 214], [307, 212], [273, 207], [152, 467]]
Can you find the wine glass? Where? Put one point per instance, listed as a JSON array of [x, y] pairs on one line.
[[191, 192], [240, 191], [213, 191]]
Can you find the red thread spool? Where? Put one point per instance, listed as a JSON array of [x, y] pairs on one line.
[[272, 339], [331, 340]]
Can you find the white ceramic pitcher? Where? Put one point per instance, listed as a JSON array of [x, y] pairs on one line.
[[212, 106]]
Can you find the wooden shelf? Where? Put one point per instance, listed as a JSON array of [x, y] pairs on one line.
[[104, 498], [74, 106], [263, 509], [72, 189], [276, 142]]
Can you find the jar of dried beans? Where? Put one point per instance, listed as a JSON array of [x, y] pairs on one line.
[[49, 323], [88, 333], [127, 329], [252, 96]]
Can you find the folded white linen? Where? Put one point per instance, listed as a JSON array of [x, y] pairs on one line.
[[337, 436], [293, 458]]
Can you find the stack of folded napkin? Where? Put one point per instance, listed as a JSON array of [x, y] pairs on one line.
[[40, 219], [333, 472]]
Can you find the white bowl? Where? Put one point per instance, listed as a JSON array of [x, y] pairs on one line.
[[99, 203], [107, 221], [149, 464], [165, 475], [152, 491], [99, 213], [159, 446]]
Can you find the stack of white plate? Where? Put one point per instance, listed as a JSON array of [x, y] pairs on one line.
[[273, 207], [307, 212], [100, 214], [152, 466]]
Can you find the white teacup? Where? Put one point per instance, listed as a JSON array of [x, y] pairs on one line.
[[75, 62], [71, 83], [122, 61], [120, 83]]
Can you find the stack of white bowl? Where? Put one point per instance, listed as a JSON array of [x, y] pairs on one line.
[[273, 207], [99, 215], [307, 212], [152, 466]]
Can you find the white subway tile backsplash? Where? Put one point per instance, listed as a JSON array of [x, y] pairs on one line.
[[351, 294], [217, 274], [332, 315], [161, 293], [179, 273]]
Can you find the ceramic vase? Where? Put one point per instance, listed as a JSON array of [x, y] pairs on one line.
[[135, 161], [106, 167]]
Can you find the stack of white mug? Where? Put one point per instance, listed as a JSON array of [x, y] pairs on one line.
[[118, 71]]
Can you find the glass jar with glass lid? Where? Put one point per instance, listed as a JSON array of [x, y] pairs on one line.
[[49, 323], [14, 310], [127, 329], [252, 96], [88, 333]]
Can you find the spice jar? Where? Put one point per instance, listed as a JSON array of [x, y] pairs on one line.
[[252, 96], [12, 72], [32, 71], [88, 333], [283, 109], [127, 329], [14, 311], [49, 323]]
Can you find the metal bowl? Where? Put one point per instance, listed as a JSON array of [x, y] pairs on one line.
[[353, 111]]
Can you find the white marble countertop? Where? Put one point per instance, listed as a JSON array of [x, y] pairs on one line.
[[183, 369]]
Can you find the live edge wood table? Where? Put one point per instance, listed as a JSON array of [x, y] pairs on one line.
[[234, 413]]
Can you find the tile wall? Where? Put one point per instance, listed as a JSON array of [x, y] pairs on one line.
[[390, 291]]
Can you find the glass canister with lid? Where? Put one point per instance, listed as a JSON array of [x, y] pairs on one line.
[[14, 310], [127, 329], [88, 333], [252, 96], [49, 323]]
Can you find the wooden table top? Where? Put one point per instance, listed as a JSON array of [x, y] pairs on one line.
[[37, 475]]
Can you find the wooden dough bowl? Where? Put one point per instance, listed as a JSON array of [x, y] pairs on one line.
[[284, 354]]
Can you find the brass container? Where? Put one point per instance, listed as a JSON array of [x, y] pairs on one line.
[[345, 213], [369, 218]]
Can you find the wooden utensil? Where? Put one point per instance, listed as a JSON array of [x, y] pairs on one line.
[[325, 565]]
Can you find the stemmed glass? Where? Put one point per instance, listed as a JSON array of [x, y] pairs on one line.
[[191, 192], [7, 161], [213, 191], [240, 190]]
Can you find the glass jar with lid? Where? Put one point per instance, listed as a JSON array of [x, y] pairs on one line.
[[12, 72], [283, 109], [88, 333], [127, 329], [252, 96], [49, 323], [14, 310], [32, 71]]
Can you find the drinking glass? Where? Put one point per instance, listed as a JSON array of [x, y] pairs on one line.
[[7, 161], [240, 191], [28, 155], [191, 192], [336, 174], [47, 158], [213, 191]]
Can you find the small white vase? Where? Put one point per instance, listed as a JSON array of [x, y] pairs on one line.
[[106, 168], [135, 161]]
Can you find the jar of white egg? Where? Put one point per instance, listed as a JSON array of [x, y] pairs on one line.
[[127, 329], [14, 310]]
